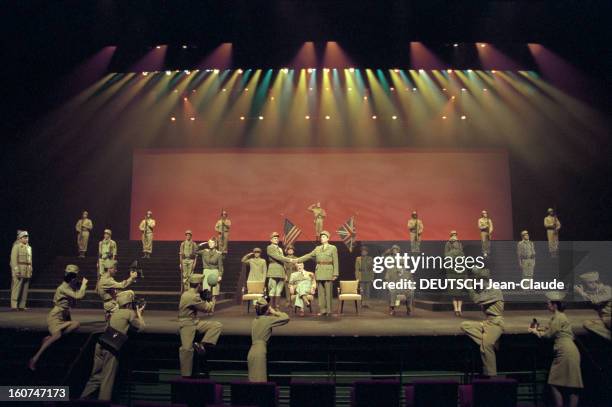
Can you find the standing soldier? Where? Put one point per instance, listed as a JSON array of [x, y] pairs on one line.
[[107, 288], [261, 331], [486, 333], [600, 296], [454, 248], [106, 359], [276, 270], [319, 215], [146, 227], [187, 259], [212, 264], [552, 225], [83, 227], [396, 275], [415, 227], [21, 270], [485, 224], [59, 321], [364, 273], [223, 227], [326, 271], [525, 250], [290, 268], [302, 283], [192, 301], [258, 268], [107, 252]]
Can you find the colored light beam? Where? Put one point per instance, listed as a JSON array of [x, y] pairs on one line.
[[220, 58], [422, 58], [152, 61]]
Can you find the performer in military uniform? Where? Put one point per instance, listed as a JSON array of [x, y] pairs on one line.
[[564, 375], [223, 227], [552, 225], [187, 258], [485, 225], [454, 248], [290, 268], [258, 269], [302, 283], [276, 270], [107, 288], [212, 264], [415, 227], [146, 227], [191, 302], [59, 321], [364, 273], [486, 334], [105, 363], [600, 296], [83, 227], [396, 274], [261, 330], [319, 216], [107, 252], [21, 271], [326, 271], [525, 251]]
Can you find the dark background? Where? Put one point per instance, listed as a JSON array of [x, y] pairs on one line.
[[44, 41]]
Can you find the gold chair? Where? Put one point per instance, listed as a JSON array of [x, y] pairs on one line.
[[254, 291], [349, 291]]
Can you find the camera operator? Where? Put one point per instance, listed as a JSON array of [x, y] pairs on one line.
[[193, 300], [107, 287]]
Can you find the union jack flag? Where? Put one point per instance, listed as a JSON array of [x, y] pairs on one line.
[[347, 233], [291, 232]]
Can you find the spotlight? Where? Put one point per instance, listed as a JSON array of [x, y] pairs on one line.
[[241, 117], [421, 70], [173, 119], [260, 117], [453, 98], [463, 117], [285, 70], [240, 71], [307, 117], [168, 73], [493, 71], [327, 117], [271, 97], [443, 117], [463, 89], [145, 73], [187, 71], [414, 89], [374, 117], [192, 118], [483, 45], [185, 98], [443, 89], [351, 70], [455, 45], [469, 70], [325, 70], [175, 90], [246, 89], [449, 71], [394, 117], [184, 46], [223, 90], [365, 98], [310, 70], [310, 89], [396, 70], [158, 47], [484, 89], [392, 89], [215, 70], [326, 88]]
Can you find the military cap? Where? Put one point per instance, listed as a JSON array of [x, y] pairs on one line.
[[71, 268], [555, 295], [212, 280], [481, 273], [590, 277], [188, 232], [453, 232], [125, 297], [524, 232], [274, 234], [196, 278], [261, 302], [22, 233], [395, 247], [258, 250], [108, 231], [326, 233], [550, 210], [290, 246], [414, 212]]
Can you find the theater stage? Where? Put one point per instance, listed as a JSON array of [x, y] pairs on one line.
[[373, 322]]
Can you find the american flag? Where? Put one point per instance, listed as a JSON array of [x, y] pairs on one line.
[[291, 233], [347, 233]]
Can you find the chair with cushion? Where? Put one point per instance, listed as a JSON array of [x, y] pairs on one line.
[[379, 393], [349, 291], [424, 393], [195, 392], [495, 391], [254, 291], [312, 393], [264, 394]]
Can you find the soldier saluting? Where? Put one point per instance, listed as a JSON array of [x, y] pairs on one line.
[[319, 216]]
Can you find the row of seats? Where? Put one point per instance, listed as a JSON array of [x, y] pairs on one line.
[[192, 392]]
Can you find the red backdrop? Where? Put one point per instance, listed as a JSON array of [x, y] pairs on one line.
[[186, 189]]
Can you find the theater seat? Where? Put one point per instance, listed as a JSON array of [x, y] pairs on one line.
[[312, 393], [425, 393], [498, 392], [379, 393], [195, 392], [254, 394]]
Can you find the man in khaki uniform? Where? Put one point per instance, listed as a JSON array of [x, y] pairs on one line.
[[302, 284], [107, 288], [326, 271], [107, 252], [83, 227], [146, 227], [258, 269], [187, 259], [415, 227], [525, 251], [600, 296], [485, 225], [364, 266], [290, 268], [223, 227], [486, 334], [189, 325], [319, 216], [552, 225], [104, 370], [21, 271], [276, 270]]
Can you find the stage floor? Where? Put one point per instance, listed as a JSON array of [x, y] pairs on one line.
[[370, 322]]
